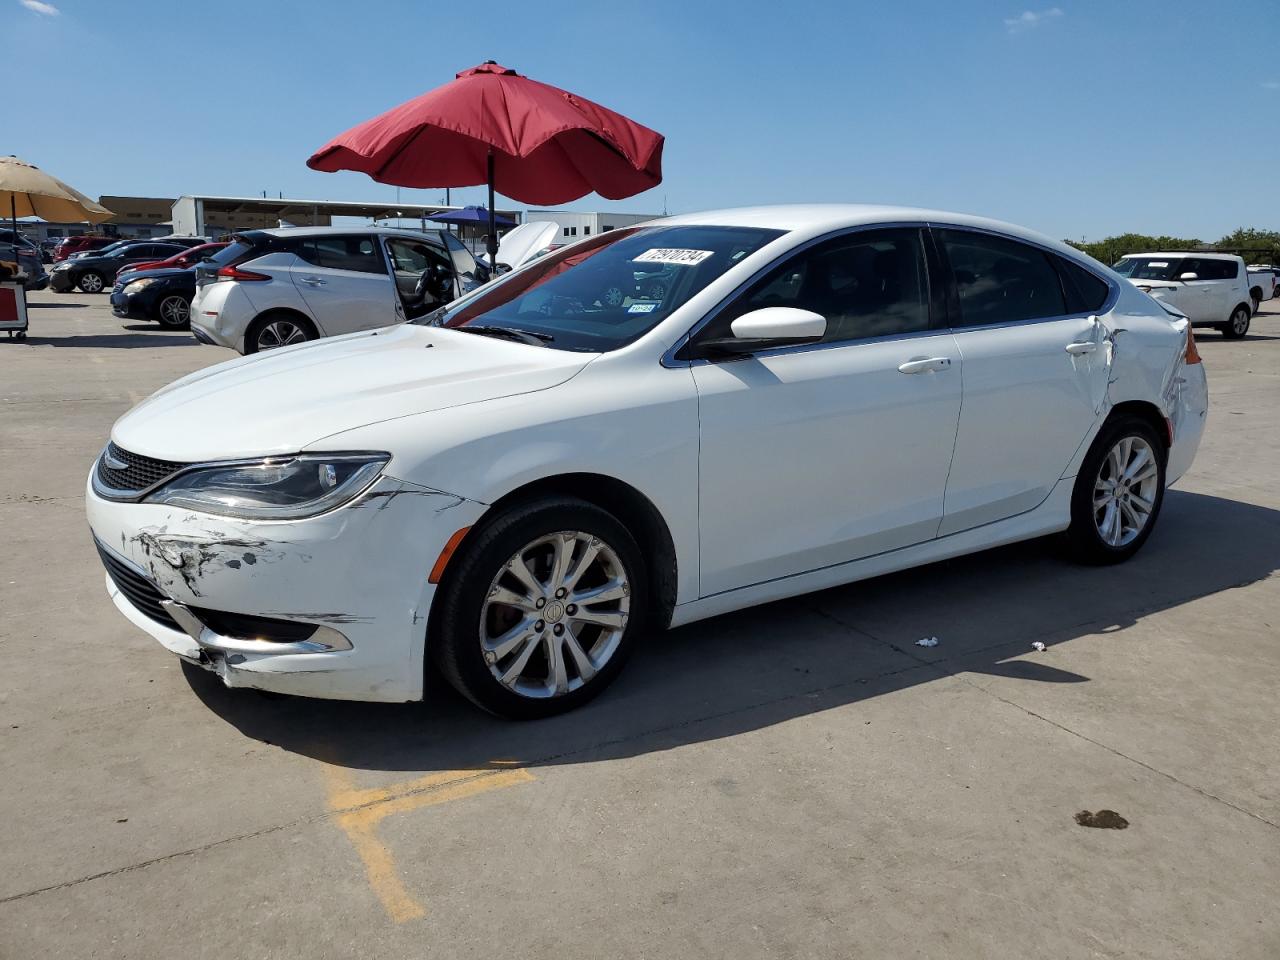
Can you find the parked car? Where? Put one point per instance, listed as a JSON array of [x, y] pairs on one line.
[[513, 489], [20, 256], [1264, 282], [81, 244], [162, 295], [187, 258], [93, 273], [1210, 288], [272, 288]]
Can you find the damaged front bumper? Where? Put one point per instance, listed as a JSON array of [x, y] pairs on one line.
[[330, 606]]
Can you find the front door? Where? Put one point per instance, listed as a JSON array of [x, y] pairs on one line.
[[343, 281], [818, 455], [1035, 377]]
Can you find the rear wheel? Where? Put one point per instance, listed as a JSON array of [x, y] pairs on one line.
[[91, 281], [540, 611], [1118, 492], [273, 330], [174, 311], [1238, 325]]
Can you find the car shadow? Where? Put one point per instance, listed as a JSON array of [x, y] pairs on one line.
[[117, 341], [46, 305], [758, 667]]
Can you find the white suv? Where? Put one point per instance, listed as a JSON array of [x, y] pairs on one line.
[[272, 288], [1212, 289]]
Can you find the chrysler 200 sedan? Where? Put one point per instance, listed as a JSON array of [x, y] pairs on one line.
[[513, 488]]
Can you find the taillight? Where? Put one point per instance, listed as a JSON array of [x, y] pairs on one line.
[[1193, 355], [235, 273]]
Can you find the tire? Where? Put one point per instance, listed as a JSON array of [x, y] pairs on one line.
[[1091, 537], [1256, 300], [1236, 327], [275, 326], [174, 312], [472, 617], [91, 281]]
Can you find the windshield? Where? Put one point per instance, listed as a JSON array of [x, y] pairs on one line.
[[1147, 268], [603, 293]]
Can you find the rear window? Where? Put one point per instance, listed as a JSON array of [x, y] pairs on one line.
[[1085, 292], [233, 252]]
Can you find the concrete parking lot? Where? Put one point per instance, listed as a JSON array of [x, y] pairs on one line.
[[798, 780]]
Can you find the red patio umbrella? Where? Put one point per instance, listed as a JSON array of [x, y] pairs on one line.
[[533, 142]]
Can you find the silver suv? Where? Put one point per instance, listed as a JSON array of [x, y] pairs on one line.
[[272, 288]]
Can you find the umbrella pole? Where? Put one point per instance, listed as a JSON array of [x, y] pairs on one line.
[[493, 227]]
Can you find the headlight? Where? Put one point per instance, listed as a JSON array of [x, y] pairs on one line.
[[275, 489], [64, 265], [137, 286]]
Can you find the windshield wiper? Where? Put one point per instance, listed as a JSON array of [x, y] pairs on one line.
[[509, 333]]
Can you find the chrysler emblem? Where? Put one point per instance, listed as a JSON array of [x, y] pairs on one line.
[[111, 463]]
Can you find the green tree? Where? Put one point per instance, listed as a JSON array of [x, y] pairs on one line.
[[1255, 245], [1111, 249]]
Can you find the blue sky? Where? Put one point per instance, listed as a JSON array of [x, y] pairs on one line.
[[1074, 118]]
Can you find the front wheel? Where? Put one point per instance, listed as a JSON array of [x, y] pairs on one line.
[[174, 312], [1118, 492], [1238, 325], [540, 611]]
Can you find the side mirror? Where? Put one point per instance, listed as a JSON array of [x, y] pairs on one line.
[[1188, 276], [767, 328]]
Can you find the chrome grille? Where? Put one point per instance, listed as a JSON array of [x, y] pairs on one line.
[[139, 472]]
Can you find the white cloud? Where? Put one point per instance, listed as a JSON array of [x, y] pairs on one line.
[[40, 7], [1026, 20], [1271, 85]]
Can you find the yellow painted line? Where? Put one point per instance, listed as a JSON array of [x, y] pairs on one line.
[[360, 811]]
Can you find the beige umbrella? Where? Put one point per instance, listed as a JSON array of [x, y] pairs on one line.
[[27, 191]]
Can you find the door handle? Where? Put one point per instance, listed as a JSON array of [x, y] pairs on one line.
[[314, 281], [1087, 347], [925, 365]]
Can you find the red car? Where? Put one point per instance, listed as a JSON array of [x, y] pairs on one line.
[[80, 244], [188, 258]]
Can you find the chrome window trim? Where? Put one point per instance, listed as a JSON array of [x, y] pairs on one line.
[[137, 496], [670, 361]]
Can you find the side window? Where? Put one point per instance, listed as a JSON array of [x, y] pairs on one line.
[[1000, 280], [1219, 269], [343, 253], [867, 284], [1190, 265], [1085, 292], [410, 257]]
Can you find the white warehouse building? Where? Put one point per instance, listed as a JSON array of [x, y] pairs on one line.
[[574, 225]]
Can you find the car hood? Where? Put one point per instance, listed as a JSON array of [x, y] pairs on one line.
[[159, 272], [282, 401]]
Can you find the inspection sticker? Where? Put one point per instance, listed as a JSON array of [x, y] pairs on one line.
[[641, 308], [688, 258]]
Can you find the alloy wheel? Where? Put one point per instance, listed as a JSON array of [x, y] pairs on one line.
[[1124, 494], [1240, 322], [91, 283], [174, 311], [555, 614], [280, 333]]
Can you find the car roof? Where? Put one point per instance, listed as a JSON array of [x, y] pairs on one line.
[[1185, 253], [821, 217], [340, 231]]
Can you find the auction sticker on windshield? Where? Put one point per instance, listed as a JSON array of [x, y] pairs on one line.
[[686, 258]]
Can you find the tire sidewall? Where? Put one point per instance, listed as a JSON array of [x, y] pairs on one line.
[[453, 641], [254, 329], [102, 281], [1229, 330], [1083, 531]]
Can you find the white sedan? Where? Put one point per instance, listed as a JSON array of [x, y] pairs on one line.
[[513, 489]]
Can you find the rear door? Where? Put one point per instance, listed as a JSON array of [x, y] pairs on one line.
[[343, 280], [1035, 374]]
